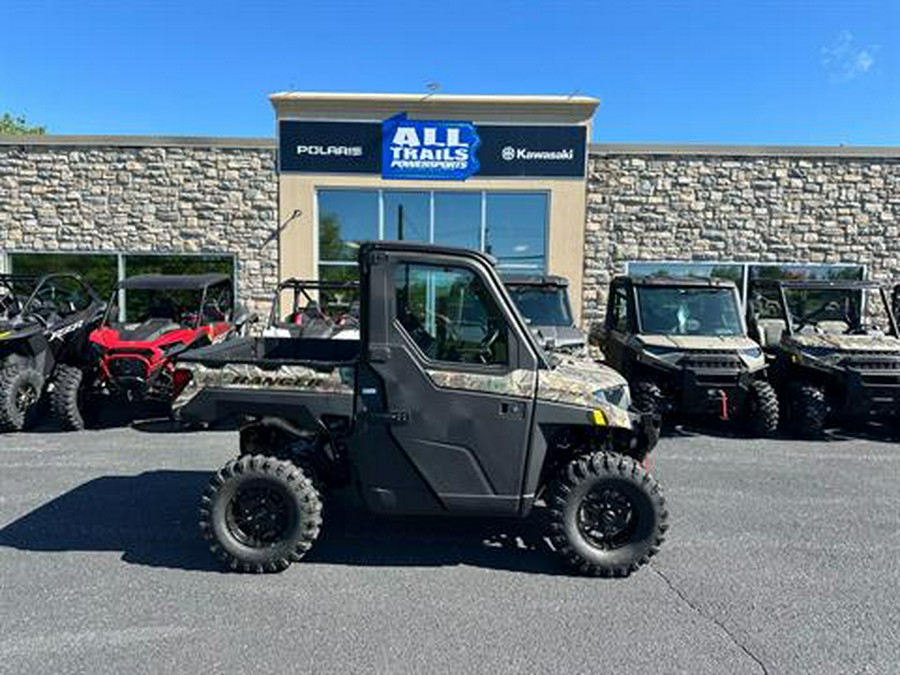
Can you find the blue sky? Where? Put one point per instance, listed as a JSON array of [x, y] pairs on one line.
[[729, 71]]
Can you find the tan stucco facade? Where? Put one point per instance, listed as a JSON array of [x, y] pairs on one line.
[[298, 238]]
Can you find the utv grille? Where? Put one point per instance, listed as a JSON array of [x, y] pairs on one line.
[[127, 368], [711, 362]]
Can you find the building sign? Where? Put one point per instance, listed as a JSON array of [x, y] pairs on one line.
[[426, 150], [328, 147]]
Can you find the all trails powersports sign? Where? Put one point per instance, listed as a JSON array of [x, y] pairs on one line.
[[403, 148]]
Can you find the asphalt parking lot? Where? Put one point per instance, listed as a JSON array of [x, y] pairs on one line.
[[780, 559]]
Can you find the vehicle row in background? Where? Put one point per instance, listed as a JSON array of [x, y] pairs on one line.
[[44, 326], [130, 356], [544, 302]]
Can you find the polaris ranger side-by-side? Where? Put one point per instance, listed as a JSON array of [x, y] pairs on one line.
[[44, 322], [446, 405], [835, 350], [544, 302], [683, 346]]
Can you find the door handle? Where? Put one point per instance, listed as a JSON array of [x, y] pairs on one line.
[[391, 417], [511, 410]]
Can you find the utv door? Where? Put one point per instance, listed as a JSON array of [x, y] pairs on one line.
[[458, 378], [617, 327]]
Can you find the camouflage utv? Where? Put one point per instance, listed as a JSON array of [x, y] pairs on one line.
[[835, 350], [683, 346], [444, 404]]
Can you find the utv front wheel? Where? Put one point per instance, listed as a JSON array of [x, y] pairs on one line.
[[260, 514], [68, 401], [608, 516], [808, 410], [21, 389], [762, 409]]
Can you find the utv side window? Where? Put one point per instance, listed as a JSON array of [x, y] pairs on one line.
[[620, 311], [62, 296], [450, 315]]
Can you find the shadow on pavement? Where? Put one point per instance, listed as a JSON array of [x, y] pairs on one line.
[[152, 519]]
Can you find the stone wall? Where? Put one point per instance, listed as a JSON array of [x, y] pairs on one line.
[[816, 205], [145, 194]]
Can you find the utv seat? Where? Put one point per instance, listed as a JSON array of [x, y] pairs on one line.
[[770, 332], [148, 331]]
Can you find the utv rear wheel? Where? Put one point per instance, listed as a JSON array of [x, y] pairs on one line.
[[68, 401], [607, 515], [808, 410], [260, 514], [648, 397], [762, 409], [21, 389]]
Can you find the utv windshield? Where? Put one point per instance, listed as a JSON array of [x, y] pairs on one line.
[[841, 311], [689, 311], [542, 305]]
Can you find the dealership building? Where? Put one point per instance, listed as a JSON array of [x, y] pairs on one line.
[[515, 176]]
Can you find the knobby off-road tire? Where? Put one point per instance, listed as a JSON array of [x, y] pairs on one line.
[[762, 409], [607, 515], [68, 401], [21, 390], [808, 410], [260, 514], [648, 397]]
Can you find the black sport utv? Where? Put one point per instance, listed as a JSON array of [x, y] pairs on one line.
[[835, 350], [682, 344], [444, 406], [544, 302], [44, 321]]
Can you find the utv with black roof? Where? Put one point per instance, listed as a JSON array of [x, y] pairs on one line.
[[44, 322], [444, 406], [835, 350], [682, 344], [543, 300], [130, 357]]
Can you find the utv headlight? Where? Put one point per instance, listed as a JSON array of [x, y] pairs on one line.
[[660, 351], [751, 352], [618, 396]]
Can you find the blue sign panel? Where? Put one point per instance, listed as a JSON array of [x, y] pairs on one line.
[[428, 150]]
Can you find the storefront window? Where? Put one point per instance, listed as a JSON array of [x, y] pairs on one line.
[[407, 216], [516, 229], [457, 219], [346, 216], [100, 270], [512, 226]]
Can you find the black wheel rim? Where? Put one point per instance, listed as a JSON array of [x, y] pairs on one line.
[[260, 514], [607, 518], [26, 396]]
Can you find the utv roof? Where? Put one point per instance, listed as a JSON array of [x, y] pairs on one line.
[[535, 280], [430, 249], [173, 281], [698, 282], [818, 284]]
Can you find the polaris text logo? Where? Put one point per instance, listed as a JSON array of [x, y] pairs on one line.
[[331, 150], [510, 153], [420, 149]]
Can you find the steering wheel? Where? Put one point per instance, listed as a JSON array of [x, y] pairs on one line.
[[484, 348]]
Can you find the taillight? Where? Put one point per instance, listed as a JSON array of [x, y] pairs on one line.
[[180, 379]]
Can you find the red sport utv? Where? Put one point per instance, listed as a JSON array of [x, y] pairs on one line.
[[151, 319]]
